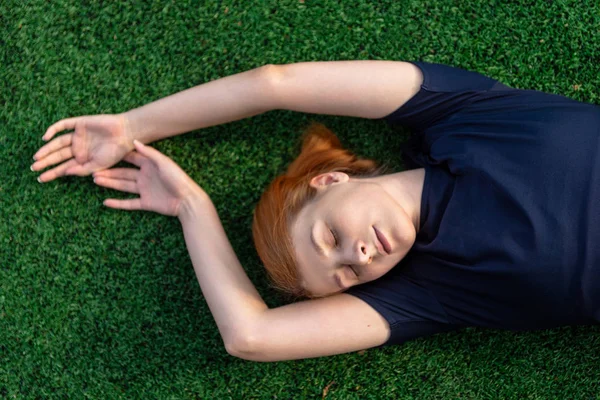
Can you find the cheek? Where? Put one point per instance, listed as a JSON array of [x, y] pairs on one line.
[[351, 212], [375, 271], [353, 202]]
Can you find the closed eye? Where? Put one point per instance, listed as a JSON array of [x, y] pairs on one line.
[[336, 242]]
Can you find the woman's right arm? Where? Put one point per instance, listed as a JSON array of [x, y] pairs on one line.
[[250, 330]]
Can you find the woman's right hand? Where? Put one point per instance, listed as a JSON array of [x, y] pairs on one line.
[[98, 143]]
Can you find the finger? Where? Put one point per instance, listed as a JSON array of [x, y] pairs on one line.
[[56, 172], [148, 151], [130, 204], [128, 174], [135, 158], [79, 142], [54, 158], [82, 170], [117, 184], [56, 144], [67, 123]]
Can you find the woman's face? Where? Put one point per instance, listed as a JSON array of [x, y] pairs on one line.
[[353, 232]]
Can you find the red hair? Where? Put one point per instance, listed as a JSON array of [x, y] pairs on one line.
[[282, 200]]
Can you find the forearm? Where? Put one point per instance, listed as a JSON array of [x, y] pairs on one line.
[[217, 102], [231, 296]]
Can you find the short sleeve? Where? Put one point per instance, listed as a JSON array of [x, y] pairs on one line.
[[445, 91], [408, 307]]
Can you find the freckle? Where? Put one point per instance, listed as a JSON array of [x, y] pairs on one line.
[[368, 326]]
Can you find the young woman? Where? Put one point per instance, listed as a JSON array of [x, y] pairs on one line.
[[496, 225]]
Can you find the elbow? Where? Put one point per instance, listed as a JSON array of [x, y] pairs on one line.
[[272, 73], [244, 346], [271, 76], [250, 347]]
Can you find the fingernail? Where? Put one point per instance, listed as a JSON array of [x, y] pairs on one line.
[[39, 180], [34, 159], [31, 167]]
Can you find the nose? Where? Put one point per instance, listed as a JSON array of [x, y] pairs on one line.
[[362, 254]]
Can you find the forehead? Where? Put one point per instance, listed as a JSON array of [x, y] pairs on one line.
[[311, 267]]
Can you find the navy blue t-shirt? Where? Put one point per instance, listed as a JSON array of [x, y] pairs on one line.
[[510, 216]]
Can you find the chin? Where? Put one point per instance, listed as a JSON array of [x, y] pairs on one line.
[[405, 242]]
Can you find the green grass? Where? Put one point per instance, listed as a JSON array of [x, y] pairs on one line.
[[98, 303]]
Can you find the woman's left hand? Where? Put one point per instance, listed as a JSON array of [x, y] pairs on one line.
[[162, 185]]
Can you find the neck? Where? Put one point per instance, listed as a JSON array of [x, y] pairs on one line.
[[407, 188]]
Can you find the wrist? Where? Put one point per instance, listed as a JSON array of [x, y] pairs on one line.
[[134, 127], [193, 205], [127, 131]]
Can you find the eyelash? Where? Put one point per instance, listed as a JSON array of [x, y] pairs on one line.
[[335, 238]]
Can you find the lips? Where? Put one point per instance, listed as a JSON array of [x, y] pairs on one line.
[[383, 241]]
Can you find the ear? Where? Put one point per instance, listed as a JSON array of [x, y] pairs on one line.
[[329, 178]]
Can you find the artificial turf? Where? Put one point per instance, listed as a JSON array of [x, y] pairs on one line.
[[98, 303]]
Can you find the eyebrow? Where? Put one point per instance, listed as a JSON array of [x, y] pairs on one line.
[[318, 248]]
